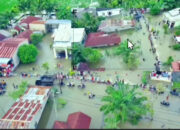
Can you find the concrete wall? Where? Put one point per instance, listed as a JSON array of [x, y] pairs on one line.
[[37, 27], [15, 58]]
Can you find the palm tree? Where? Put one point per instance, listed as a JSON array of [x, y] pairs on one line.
[[124, 104]]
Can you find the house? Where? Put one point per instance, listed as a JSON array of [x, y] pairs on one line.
[[105, 12], [100, 39], [77, 120], [65, 36], [9, 49], [176, 71], [172, 17], [38, 26], [25, 22], [53, 24], [5, 33], [26, 34], [113, 25], [26, 112]]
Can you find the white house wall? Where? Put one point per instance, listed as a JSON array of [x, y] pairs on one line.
[[105, 13]]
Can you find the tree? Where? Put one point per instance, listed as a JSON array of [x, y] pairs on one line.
[[130, 57], [81, 54], [133, 62], [145, 77], [124, 104], [88, 21], [176, 47], [155, 10], [27, 53], [169, 61], [170, 4], [64, 12], [91, 55], [46, 66], [36, 38]]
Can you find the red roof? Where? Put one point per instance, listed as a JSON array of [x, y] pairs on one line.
[[29, 19], [26, 34], [17, 28], [38, 22], [77, 120], [60, 125], [101, 39], [176, 66], [9, 46]]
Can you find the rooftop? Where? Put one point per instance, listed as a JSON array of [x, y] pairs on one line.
[[5, 33], [24, 109], [26, 34], [38, 22], [55, 21], [9, 46], [2, 37], [30, 19], [104, 9], [101, 39], [77, 120]]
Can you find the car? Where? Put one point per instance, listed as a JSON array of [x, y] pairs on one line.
[[45, 80]]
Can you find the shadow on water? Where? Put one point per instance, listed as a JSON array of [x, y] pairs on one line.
[[46, 114]]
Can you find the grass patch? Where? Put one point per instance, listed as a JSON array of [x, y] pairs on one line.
[[61, 102]]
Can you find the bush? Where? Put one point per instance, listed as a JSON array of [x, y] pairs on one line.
[[21, 90], [27, 53], [176, 47], [61, 102], [177, 32], [145, 77], [155, 10], [176, 85], [36, 38], [169, 60]]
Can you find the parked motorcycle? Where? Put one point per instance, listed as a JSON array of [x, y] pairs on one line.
[[81, 86], [165, 103], [174, 93]]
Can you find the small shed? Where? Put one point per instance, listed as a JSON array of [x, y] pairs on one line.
[[25, 22]]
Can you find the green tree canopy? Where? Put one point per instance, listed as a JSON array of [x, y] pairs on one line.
[[82, 54], [36, 38], [27, 53], [46, 66], [124, 104]]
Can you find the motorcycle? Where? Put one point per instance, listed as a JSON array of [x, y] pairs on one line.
[[81, 86], [91, 96], [174, 93], [71, 85], [165, 103]]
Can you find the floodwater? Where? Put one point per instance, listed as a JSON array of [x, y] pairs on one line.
[[77, 101]]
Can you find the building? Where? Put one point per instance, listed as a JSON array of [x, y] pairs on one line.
[[2, 37], [176, 71], [9, 49], [26, 21], [53, 24], [65, 36], [5, 33], [105, 12], [26, 34], [38, 26], [26, 112], [114, 25], [173, 17], [100, 39], [77, 120]]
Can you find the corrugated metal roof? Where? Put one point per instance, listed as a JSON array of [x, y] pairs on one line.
[[23, 110], [9, 46]]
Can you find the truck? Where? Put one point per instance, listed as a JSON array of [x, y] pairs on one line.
[[45, 80]]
